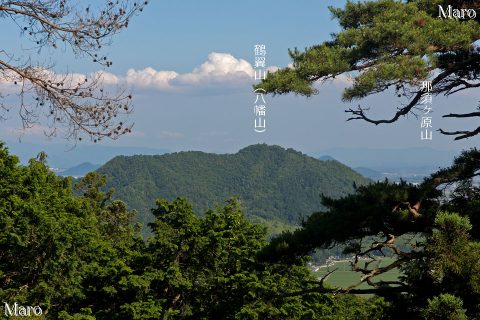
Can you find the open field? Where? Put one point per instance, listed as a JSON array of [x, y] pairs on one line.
[[344, 276]]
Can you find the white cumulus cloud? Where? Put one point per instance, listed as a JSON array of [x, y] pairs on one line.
[[150, 77], [220, 70]]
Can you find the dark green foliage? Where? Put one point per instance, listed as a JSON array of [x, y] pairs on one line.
[[272, 183], [79, 257], [366, 213], [64, 253], [444, 259], [444, 307], [206, 268]]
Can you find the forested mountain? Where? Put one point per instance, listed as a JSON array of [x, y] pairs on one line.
[[272, 183]]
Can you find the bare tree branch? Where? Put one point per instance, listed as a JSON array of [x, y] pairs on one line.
[[462, 115], [360, 112], [81, 104], [462, 84], [441, 84], [461, 134]]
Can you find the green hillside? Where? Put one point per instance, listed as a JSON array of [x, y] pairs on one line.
[[272, 183]]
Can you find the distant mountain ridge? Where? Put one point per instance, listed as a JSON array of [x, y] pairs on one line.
[[369, 173], [68, 156], [409, 164], [388, 160], [273, 183], [80, 170]]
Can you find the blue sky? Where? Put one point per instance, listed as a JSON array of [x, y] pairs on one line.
[[167, 56]]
